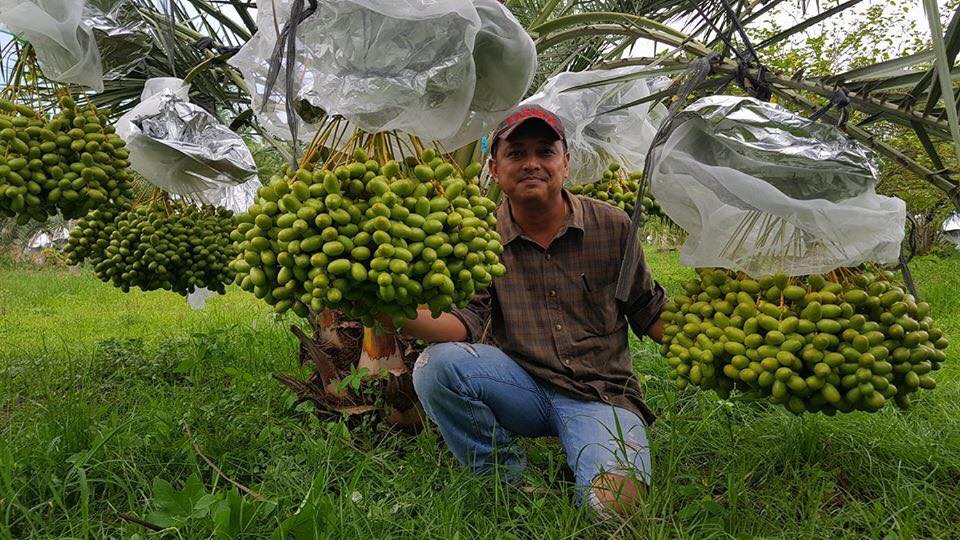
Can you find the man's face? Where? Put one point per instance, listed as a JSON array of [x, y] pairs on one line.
[[531, 164]]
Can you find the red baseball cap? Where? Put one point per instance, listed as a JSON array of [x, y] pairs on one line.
[[525, 113]]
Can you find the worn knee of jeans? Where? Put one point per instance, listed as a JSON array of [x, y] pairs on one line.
[[436, 366]]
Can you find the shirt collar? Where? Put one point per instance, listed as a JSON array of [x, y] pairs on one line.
[[509, 229]]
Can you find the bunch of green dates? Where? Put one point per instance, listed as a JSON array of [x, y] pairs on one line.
[[174, 246], [620, 191], [370, 238], [813, 344], [71, 163]]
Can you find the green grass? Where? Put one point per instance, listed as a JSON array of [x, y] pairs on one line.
[[98, 390]]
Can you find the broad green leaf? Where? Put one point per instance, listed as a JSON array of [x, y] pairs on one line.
[[313, 520], [174, 508], [237, 516]]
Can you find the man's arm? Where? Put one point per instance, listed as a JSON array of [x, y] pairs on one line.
[[644, 306], [645, 301], [465, 324], [447, 327]]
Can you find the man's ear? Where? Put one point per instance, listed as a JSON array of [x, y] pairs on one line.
[[492, 165], [566, 163]]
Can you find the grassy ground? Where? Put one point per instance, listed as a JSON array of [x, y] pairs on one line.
[[103, 396]]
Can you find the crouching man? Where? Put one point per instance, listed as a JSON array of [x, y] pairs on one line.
[[561, 365]]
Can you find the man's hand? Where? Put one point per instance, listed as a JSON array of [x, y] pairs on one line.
[[656, 330], [446, 327]]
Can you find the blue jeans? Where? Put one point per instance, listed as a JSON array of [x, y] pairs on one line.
[[481, 400]]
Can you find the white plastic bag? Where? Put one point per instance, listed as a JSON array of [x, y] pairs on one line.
[[382, 65], [65, 47], [400, 64], [762, 190], [253, 61], [506, 61], [48, 237], [198, 298], [951, 229], [596, 138], [180, 147], [409, 65]]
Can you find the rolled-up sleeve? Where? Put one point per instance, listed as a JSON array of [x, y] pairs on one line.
[[474, 315], [646, 299]]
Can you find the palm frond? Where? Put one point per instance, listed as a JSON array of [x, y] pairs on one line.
[[915, 92], [943, 66], [952, 47]]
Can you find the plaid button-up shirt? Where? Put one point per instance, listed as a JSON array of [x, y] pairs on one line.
[[555, 311]]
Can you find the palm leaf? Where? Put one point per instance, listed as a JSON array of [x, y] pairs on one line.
[[632, 21], [894, 83], [881, 69], [943, 66], [608, 30], [952, 48], [644, 74], [747, 19], [928, 146]]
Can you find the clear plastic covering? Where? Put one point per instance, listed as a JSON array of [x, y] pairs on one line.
[[506, 62], [445, 70], [505, 58], [762, 190], [403, 64], [595, 136], [253, 61], [65, 47], [951, 229], [122, 39], [180, 147]]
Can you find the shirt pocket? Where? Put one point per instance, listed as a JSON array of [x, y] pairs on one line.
[[601, 315]]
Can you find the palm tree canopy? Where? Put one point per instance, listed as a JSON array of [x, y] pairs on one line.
[[914, 91]]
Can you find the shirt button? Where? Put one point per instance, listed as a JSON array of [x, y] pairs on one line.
[[567, 361], [559, 327], [553, 293], [606, 397], [548, 256]]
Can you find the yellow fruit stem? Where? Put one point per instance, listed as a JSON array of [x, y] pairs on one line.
[[380, 353], [378, 345]]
